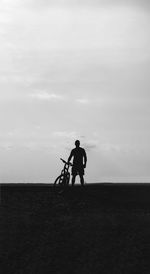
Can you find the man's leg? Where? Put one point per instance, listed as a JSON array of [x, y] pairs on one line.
[[82, 180], [73, 179]]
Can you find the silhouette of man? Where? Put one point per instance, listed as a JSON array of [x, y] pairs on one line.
[[79, 162]]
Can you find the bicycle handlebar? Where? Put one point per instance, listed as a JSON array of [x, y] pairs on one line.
[[68, 163]]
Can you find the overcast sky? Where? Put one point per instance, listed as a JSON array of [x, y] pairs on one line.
[[72, 70]]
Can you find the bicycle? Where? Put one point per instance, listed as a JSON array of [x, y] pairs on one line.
[[64, 178]]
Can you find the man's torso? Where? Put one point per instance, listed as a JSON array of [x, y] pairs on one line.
[[78, 155]]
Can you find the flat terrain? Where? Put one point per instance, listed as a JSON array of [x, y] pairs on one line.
[[101, 228]]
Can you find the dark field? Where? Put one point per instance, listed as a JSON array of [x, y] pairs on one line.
[[101, 228]]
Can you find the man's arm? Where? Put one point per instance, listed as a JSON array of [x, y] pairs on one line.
[[85, 158], [71, 155]]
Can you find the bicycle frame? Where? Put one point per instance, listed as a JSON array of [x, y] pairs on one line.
[[64, 177], [66, 167]]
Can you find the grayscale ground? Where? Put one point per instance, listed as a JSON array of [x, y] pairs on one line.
[[101, 228]]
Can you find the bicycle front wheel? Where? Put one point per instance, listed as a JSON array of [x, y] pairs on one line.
[[62, 179], [67, 178], [59, 180]]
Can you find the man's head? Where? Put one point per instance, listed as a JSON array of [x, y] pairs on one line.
[[77, 143]]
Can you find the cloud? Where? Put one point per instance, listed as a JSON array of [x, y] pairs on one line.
[[45, 96], [65, 134], [107, 147], [83, 101], [82, 3], [7, 146], [90, 145], [66, 139]]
